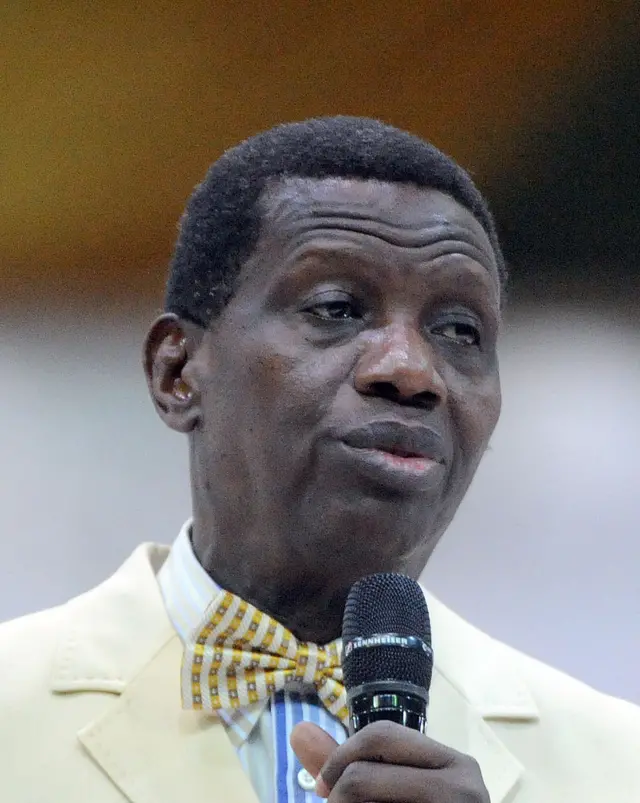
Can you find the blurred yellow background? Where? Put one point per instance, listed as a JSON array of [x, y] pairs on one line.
[[112, 111]]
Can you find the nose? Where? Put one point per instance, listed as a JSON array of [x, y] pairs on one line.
[[399, 365]]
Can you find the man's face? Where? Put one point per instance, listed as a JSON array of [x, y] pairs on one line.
[[350, 387]]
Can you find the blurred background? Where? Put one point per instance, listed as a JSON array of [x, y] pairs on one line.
[[111, 113]]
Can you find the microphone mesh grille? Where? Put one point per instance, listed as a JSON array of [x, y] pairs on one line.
[[386, 603]]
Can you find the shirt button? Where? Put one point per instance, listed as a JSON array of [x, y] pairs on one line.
[[306, 781]]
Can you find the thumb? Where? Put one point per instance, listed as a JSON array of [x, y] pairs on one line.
[[313, 746]]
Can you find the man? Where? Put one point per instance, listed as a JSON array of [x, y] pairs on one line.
[[329, 348]]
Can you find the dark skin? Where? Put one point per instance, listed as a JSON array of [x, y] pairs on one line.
[[362, 302]]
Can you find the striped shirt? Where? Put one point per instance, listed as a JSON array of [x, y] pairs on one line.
[[260, 735]]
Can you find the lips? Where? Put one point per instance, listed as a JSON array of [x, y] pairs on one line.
[[399, 439]]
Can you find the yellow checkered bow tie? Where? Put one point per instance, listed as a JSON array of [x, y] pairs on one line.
[[241, 656]]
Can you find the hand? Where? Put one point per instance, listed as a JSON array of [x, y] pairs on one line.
[[387, 763]]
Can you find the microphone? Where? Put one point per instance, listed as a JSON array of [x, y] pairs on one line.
[[387, 658]]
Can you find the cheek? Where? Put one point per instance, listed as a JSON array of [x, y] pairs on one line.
[[286, 389], [475, 413]]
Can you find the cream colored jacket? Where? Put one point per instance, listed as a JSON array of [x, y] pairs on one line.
[[90, 711]]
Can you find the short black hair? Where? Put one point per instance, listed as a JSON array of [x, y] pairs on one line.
[[221, 223]]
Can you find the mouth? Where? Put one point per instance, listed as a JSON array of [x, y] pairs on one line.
[[393, 453], [399, 440]]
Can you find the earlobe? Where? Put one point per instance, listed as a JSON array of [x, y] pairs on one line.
[[167, 355]]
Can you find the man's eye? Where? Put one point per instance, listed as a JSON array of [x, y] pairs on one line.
[[339, 310], [465, 334]]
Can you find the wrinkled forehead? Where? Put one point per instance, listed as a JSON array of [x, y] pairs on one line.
[[401, 214]]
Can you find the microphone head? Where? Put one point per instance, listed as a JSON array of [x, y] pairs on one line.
[[386, 632]]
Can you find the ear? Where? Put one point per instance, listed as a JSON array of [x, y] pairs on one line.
[[169, 350]]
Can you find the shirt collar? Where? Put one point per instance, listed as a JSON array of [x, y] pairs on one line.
[[186, 587]]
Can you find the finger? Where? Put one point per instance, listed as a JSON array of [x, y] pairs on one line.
[[387, 783], [388, 743], [313, 746]]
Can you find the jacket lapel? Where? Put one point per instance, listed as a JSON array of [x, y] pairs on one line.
[[155, 752], [476, 690], [121, 641]]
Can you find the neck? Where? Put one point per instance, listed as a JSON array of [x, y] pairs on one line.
[[310, 606]]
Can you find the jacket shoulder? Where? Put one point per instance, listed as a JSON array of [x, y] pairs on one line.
[[96, 641], [558, 693], [569, 707], [62, 669], [27, 649]]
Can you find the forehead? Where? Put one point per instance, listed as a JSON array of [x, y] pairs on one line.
[[401, 214]]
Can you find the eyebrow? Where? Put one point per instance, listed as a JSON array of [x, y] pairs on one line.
[[307, 262]]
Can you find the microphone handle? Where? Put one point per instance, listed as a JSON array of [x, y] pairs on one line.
[[370, 704]]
